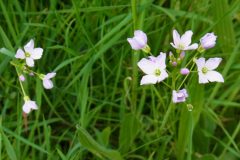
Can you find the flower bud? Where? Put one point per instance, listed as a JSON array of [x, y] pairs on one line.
[[21, 78], [184, 71], [208, 41]]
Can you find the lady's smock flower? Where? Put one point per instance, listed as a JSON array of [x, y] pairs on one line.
[[139, 41], [29, 105], [30, 53], [206, 71], [154, 68], [183, 43], [47, 83], [179, 96], [208, 41]]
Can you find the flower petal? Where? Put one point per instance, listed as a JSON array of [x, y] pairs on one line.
[[20, 54], [162, 76], [161, 60], [186, 38], [200, 64], [202, 78], [148, 79], [213, 63], [191, 47], [50, 75], [214, 76], [29, 105], [30, 62], [29, 45], [147, 66], [176, 38], [141, 35], [36, 53], [47, 84], [134, 44]]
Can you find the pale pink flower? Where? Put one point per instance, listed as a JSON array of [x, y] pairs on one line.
[[183, 43], [47, 83], [206, 71], [179, 96], [139, 41], [208, 40], [154, 68], [29, 53], [29, 105]]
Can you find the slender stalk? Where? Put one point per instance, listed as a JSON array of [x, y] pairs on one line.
[[189, 156]]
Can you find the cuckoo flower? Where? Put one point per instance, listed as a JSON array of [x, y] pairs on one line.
[[139, 41], [47, 83], [29, 105], [29, 53], [183, 43], [206, 71], [179, 96], [208, 41], [154, 68]]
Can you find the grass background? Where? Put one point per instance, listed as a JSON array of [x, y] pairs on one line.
[[97, 110]]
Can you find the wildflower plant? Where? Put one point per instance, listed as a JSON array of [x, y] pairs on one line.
[[24, 62], [161, 67]]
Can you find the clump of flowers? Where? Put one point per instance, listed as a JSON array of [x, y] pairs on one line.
[[156, 69], [24, 62]]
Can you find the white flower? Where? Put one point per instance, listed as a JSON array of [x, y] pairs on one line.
[[155, 68], [30, 53], [29, 105], [206, 71], [183, 43], [208, 40], [47, 83], [179, 96], [139, 41]]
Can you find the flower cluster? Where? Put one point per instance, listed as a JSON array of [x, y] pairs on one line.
[[156, 70], [24, 62]]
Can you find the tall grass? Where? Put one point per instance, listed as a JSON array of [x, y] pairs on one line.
[[97, 109]]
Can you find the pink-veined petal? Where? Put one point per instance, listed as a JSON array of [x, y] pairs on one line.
[[214, 76], [36, 53], [213, 63], [20, 54], [141, 35], [29, 45], [148, 79], [147, 66], [191, 47], [176, 38], [200, 63], [202, 78], [47, 84], [30, 62], [186, 38]]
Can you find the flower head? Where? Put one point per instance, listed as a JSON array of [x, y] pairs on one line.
[[154, 68], [206, 71], [179, 96], [139, 41], [208, 40], [29, 53], [29, 105], [183, 43], [47, 83]]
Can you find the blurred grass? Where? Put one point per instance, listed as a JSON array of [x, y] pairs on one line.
[[97, 82]]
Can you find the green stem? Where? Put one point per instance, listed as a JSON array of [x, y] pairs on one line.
[[189, 156], [21, 85]]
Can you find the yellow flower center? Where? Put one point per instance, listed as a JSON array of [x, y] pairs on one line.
[[157, 72], [27, 54], [204, 70]]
